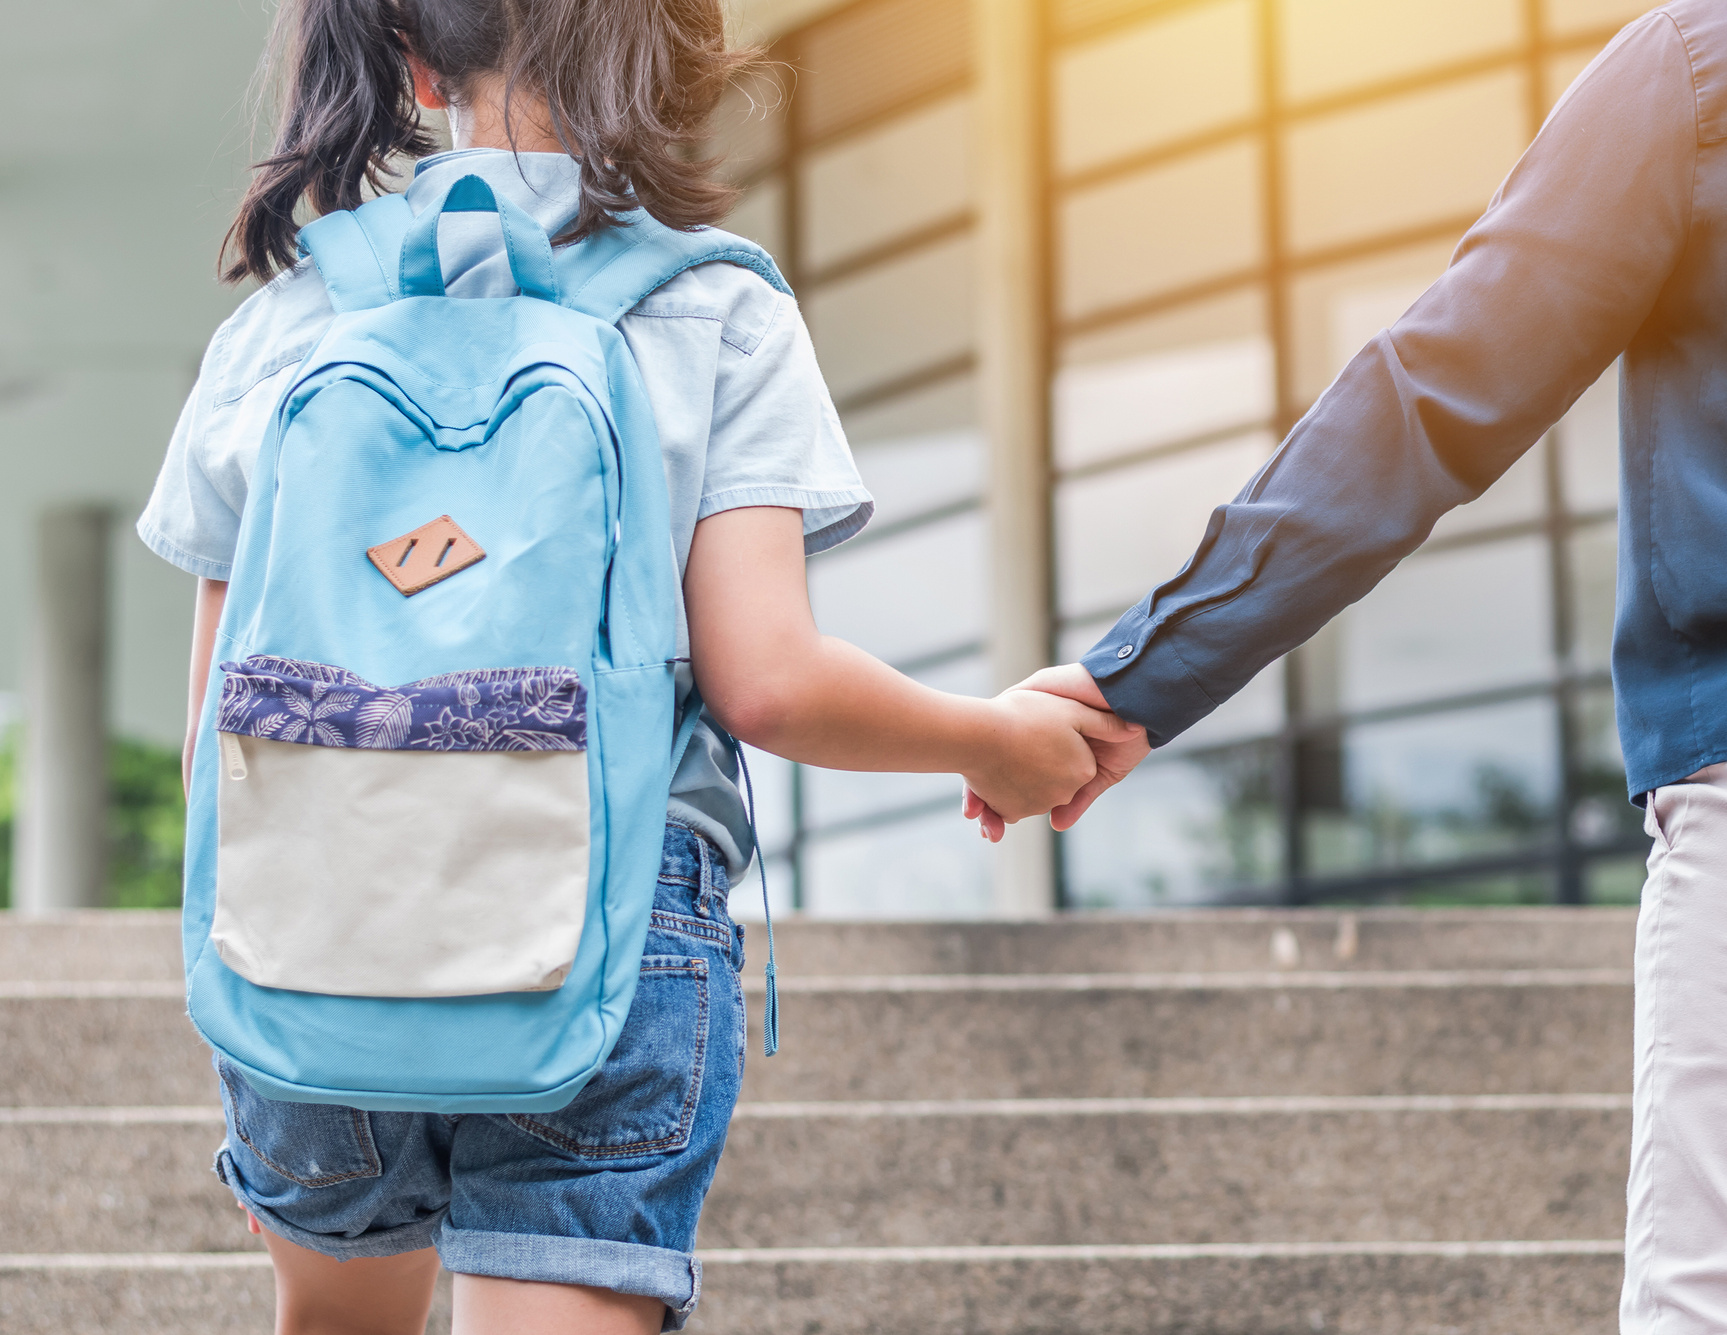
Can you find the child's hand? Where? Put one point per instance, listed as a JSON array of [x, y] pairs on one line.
[[1042, 754], [1116, 756]]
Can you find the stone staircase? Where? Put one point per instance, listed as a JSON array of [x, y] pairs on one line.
[[1252, 1123]]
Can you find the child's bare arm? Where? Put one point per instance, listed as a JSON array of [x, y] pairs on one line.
[[206, 616], [773, 680]]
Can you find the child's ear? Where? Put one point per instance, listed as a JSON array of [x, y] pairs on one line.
[[426, 85]]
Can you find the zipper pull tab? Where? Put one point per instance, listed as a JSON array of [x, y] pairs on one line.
[[233, 758]]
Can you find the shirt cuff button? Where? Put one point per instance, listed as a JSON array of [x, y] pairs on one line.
[[1125, 651]]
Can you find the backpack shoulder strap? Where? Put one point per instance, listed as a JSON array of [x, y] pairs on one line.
[[608, 274], [350, 250]]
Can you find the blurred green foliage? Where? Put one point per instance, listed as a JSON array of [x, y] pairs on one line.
[[146, 823]]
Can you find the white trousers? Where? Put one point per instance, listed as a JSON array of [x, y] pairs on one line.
[[1676, 1233]]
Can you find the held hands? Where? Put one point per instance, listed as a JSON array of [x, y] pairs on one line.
[[1049, 753], [1115, 748]]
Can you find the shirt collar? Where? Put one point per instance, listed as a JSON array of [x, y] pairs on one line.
[[543, 185]]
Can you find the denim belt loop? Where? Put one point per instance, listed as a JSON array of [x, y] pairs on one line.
[[705, 893]]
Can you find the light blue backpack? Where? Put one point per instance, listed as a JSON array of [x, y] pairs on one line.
[[431, 775]]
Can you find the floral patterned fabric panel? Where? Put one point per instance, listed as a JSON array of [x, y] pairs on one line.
[[496, 709]]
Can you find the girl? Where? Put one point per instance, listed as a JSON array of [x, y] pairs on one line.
[[576, 110]]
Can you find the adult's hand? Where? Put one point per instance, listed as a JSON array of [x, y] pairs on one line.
[[1115, 759]]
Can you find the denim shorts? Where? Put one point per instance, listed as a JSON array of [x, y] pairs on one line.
[[605, 1192]]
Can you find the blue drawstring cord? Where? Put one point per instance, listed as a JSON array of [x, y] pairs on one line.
[[771, 1009]]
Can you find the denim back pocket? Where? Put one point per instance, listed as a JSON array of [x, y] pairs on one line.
[[311, 1144], [644, 1099]]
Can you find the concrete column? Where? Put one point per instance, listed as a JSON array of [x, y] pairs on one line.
[[1013, 312], [62, 852]]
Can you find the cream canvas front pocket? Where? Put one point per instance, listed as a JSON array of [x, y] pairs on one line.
[[419, 841]]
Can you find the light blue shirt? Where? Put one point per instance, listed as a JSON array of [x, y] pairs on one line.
[[743, 416]]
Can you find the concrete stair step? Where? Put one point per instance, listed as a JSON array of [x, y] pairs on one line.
[[1484, 1290], [202, 1296], [133, 945], [1344, 1170], [1121, 1036], [83, 1294], [115, 945], [1195, 1171], [1183, 1292], [1103, 1036], [106, 1045], [1201, 1123], [117, 1185], [1212, 941]]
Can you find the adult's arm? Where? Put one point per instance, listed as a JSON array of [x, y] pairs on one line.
[[1543, 293]]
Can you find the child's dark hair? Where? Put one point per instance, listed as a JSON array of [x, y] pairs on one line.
[[629, 84]]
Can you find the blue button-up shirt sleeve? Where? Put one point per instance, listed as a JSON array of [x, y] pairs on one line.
[[1543, 293]]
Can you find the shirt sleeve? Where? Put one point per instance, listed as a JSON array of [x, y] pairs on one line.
[[190, 521], [1546, 289], [776, 439]]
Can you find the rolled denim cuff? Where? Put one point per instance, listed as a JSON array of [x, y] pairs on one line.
[[674, 1277], [414, 1237]]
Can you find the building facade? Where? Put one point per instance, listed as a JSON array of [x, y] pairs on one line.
[[1072, 267], [1230, 198]]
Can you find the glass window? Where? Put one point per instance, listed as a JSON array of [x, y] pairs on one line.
[[1495, 889], [1120, 533], [1594, 572], [833, 797], [886, 182], [932, 867], [948, 405], [1194, 219], [1075, 638], [896, 319], [1567, 16], [749, 125], [744, 902], [1256, 710], [1602, 815], [1359, 313], [1438, 788], [1449, 623], [1519, 496], [772, 778], [1561, 71], [1413, 160], [1236, 314], [868, 58], [1196, 829], [760, 215], [1329, 45], [916, 474], [1614, 881], [1107, 409], [1153, 84], [907, 597], [1337, 309], [1589, 443], [840, 797]]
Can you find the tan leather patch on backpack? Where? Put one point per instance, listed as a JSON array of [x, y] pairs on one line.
[[432, 552]]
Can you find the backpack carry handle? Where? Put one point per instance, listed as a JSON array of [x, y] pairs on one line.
[[525, 242]]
